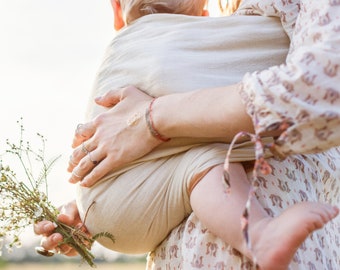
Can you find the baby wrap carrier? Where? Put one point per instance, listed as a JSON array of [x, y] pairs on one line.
[[163, 54]]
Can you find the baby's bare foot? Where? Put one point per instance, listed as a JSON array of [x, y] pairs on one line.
[[275, 240]]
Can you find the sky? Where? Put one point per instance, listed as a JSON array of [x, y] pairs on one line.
[[50, 51], [49, 54]]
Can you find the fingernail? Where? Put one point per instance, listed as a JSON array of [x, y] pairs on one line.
[[72, 181], [48, 227], [83, 184], [55, 238]]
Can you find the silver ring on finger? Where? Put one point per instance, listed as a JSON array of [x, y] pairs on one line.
[[71, 161], [79, 126], [44, 252], [84, 149], [76, 175], [94, 162]]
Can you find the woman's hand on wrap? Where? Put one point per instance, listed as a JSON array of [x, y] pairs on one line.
[[113, 138]]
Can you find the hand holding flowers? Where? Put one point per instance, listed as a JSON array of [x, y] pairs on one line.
[[24, 201]]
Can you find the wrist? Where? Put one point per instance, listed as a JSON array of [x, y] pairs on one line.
[[150, 121]]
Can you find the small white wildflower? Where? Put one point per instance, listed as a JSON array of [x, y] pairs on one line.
[[42, 197], [9, 249], [38, 212]]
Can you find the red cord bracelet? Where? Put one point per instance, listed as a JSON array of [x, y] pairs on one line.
[[151, 126]]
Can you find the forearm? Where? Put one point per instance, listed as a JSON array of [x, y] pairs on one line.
[[217, 112]]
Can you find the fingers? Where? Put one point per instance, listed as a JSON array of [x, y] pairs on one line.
[[53, 241], [87, 162], [97, 173], [99, 139], [69, 214], [113, 97], [110, 99], [77, 158], [85, 131], [44, 227], [82, 133]]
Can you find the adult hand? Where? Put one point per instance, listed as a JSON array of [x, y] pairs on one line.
[[69, 215], [114, 138]]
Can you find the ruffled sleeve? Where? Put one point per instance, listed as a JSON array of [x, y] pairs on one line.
[[302, 97]]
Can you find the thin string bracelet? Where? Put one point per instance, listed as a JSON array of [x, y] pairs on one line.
[[151, 126]]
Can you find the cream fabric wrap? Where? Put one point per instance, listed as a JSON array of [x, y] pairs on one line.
[[162, 54]]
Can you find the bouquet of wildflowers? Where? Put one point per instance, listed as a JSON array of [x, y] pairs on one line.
[[25, 201]]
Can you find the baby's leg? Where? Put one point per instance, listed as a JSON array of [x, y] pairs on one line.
[[274, 240]]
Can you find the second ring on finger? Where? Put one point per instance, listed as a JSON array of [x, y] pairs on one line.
[[94, 161], [88, 153], [85, 165], [84, 148], [80, 152], [71, 162]]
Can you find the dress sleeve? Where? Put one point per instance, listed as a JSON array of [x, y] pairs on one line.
[[302, 97]]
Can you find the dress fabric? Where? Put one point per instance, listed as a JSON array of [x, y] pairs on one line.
[[295, 179], [307, 104], [139, 204], [312, 117]]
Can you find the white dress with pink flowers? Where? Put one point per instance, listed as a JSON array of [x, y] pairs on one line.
[[302, 98]]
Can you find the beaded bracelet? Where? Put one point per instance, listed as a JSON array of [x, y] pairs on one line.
[[151, 126]]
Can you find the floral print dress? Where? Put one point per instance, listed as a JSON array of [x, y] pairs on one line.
[[302, 98]]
